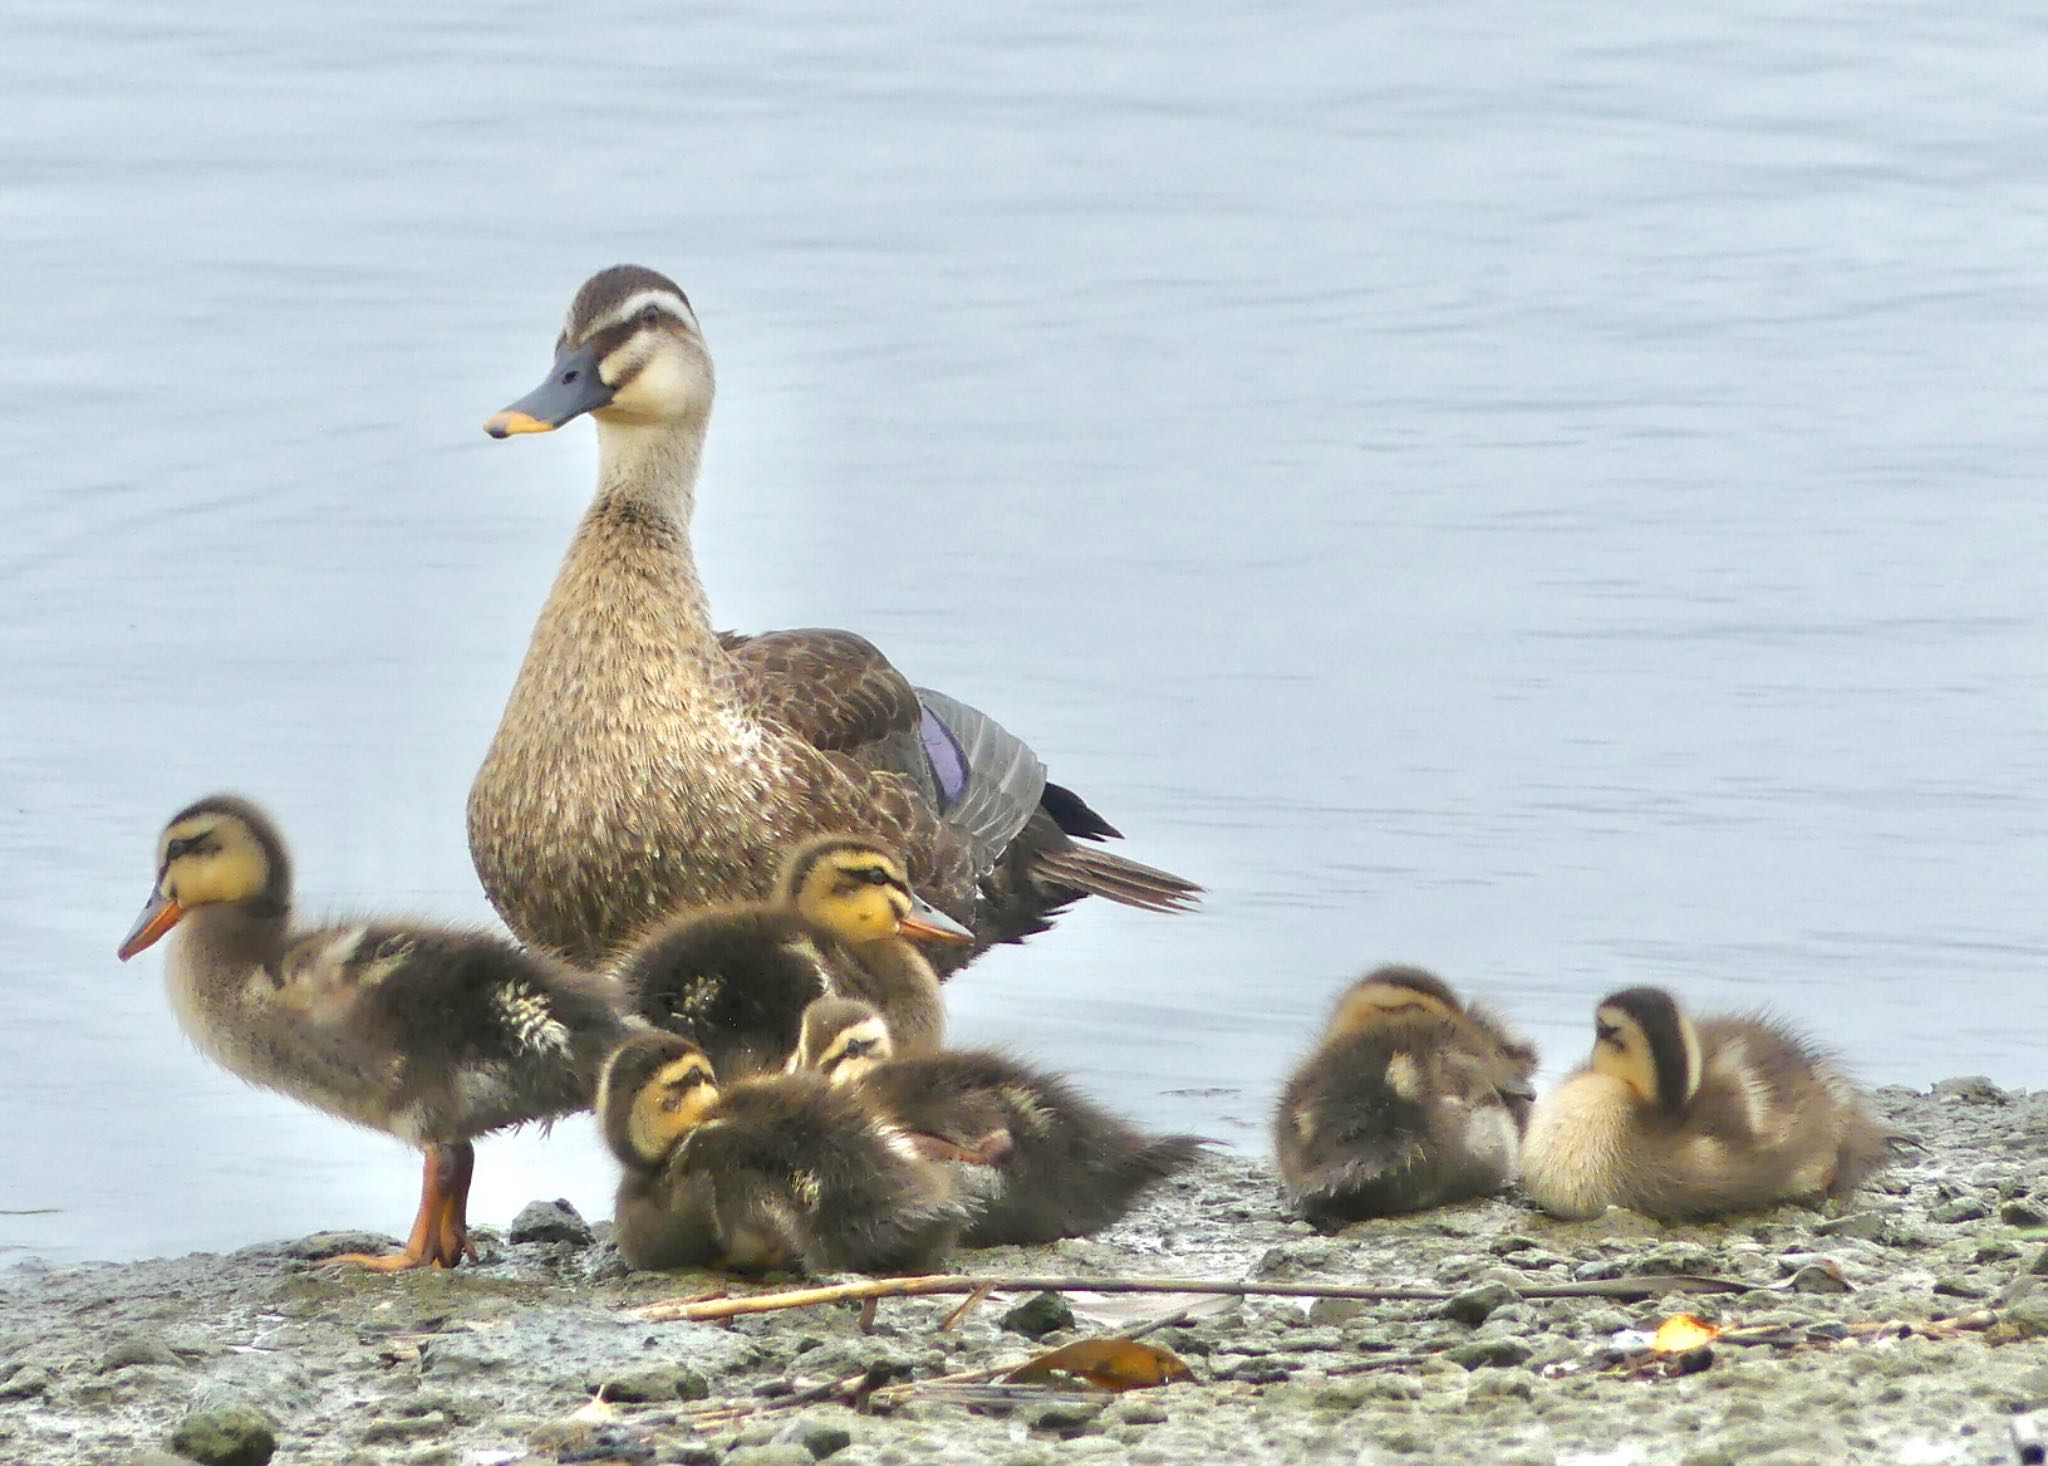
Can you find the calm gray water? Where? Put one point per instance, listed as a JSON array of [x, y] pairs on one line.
[[1563, 506]]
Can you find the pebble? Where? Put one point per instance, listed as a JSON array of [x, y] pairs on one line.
[[818, 1435], [651, 1382], [550, 1221], [26, 1383], [226, 1435], [1039, 1315], [1473, 1305], [1489, 1353]]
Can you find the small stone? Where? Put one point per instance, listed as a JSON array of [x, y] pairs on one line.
[[550, 1221], [1962, 1209], [1971, 1089], [1954, 1287], [25, 1383], [226, 1435], [2023, 1214], [1039, 1315], [1489, 1353], [1866, 1225], [1673, 1258], [1474, 1305], [125, 1351], [771, 1455], [647, 1383], [1065, 1418], [818, 1436], [1138, 1408], [1505, 1384], [1336, 1310], [405, 1428], [2039, 1266], [1818, 1277], [2028, 1318]]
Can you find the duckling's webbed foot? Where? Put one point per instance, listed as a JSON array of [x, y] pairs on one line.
[[991, 1149], [440, 1231]]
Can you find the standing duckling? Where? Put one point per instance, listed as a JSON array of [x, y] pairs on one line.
[[777, 1171], [1064, 1166], [1412, 1100], [431, 1035], [1684, 1121], [735, 979]]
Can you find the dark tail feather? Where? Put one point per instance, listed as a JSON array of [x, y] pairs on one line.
[[1072, 814], [1099, 873]]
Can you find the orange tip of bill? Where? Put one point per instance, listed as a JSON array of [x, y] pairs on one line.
[[505, 424]]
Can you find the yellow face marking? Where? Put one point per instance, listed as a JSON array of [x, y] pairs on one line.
[[1621, 1051], [855, 895], [670, 1105], [210, 859]]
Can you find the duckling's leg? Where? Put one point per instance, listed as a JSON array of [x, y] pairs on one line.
[[456, 1164], [447, 1166]]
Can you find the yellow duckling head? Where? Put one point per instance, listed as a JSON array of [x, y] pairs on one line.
[[858, 890], [630, 354], [220, 851], [1392, 995], [1642, 1038], [842, 1039], [655, 1089]]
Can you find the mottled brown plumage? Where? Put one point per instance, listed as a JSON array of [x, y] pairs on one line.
[[645, 765]]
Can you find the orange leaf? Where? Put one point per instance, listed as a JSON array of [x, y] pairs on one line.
[[1112, 1364], [1681, 1332]]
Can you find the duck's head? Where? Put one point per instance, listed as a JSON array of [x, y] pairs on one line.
[[858, 890], [1643, 1038], [629, 354], [654, 1089], [221, 851], [1391, 995], [842, 1039]]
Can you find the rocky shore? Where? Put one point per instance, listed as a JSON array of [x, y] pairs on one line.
[[1831, 1346]]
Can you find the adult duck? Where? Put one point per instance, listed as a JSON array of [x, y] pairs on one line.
[[647, 764]]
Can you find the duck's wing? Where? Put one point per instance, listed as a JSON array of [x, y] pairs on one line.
[[833, 689], [980, 781]]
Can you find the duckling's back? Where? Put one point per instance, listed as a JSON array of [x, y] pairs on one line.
[[1071, 1167], [733, 980], [801, 1172], [1402, 1117]]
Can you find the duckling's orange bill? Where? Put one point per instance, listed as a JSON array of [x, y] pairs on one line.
[[159, 915], [924, 922]]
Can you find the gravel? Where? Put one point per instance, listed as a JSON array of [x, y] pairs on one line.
[[536, 1355]]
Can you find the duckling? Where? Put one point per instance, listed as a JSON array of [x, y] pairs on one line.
[[1065, 1166], [843, 920], [1412, 1100], [432, 1035], [1682, 1120], [775, 1171]]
